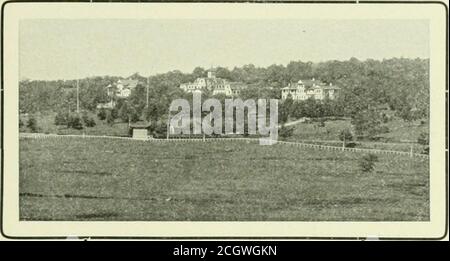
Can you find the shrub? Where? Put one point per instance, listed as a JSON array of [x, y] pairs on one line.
[[423, 139], [285, 132], [89, 122], [74, 122], [102, 114], [20, 123], [351, 145], [346, 135], [32, 124], [110, 119], [367, 162], [114, 113], [61, 118], [160, 130]]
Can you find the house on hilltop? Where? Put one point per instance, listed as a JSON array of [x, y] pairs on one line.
[[120, 89], [214, 84], [305, 89]]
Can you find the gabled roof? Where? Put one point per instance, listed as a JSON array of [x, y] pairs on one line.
[[311, 84], [140, 125]]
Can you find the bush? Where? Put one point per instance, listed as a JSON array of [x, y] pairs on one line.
[[74, 122], [346, 135], [110, 119], [423, 139], [285, 132], [32, 124], [351, 145], [20, 123], [114, 113], [367, 162], [89, 122], [102, 114], [159, 130], [61, 118]]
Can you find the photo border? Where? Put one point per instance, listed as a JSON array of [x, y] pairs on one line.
[[230, 237]]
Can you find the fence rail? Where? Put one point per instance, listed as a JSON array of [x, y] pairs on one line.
[[203, 139]]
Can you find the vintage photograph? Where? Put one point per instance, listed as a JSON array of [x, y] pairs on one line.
[[224, 120]]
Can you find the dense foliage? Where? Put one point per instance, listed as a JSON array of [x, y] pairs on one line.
[[401, 85]]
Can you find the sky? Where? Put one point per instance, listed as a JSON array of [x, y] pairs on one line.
[[69, 49]]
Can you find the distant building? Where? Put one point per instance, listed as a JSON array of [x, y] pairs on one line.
[[140, 131], [122, 88], [305, 89], [214, 84]]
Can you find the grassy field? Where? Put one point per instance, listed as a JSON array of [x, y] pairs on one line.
[[103, 179], [399, 130], [401, 136]]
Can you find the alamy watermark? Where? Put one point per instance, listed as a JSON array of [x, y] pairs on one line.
[[232, 115]]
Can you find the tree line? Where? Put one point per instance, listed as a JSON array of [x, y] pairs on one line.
[[399, 84]]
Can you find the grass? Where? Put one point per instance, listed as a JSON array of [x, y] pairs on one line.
[[103, 179], [401, 136]]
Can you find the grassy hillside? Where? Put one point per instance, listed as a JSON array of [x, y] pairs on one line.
[[98, 179]]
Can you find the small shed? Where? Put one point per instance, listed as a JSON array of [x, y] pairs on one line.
[[140, 131]]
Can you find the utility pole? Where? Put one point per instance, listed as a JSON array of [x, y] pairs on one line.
[[168, 125], [78, 97], [148, 86], [343, 143]]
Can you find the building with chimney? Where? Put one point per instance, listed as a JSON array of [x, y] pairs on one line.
[[214, 84], [305, 89]]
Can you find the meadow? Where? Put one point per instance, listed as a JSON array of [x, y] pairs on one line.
[[130, 180]]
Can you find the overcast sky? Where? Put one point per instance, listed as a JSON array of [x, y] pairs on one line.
[[68, 49]]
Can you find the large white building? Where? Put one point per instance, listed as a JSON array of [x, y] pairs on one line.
[[214, 84], [305, 89]]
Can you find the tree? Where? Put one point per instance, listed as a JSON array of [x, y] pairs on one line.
[[114, 113], [369, 123], [345, 136], [285, 110], [124, 112], [102, 114], [88, 121], [109, 118], [74, 122], [367, 162]]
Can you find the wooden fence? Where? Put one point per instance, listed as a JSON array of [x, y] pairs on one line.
[[200, 139]]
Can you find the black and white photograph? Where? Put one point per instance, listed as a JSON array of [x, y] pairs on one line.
[[225, 119]]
